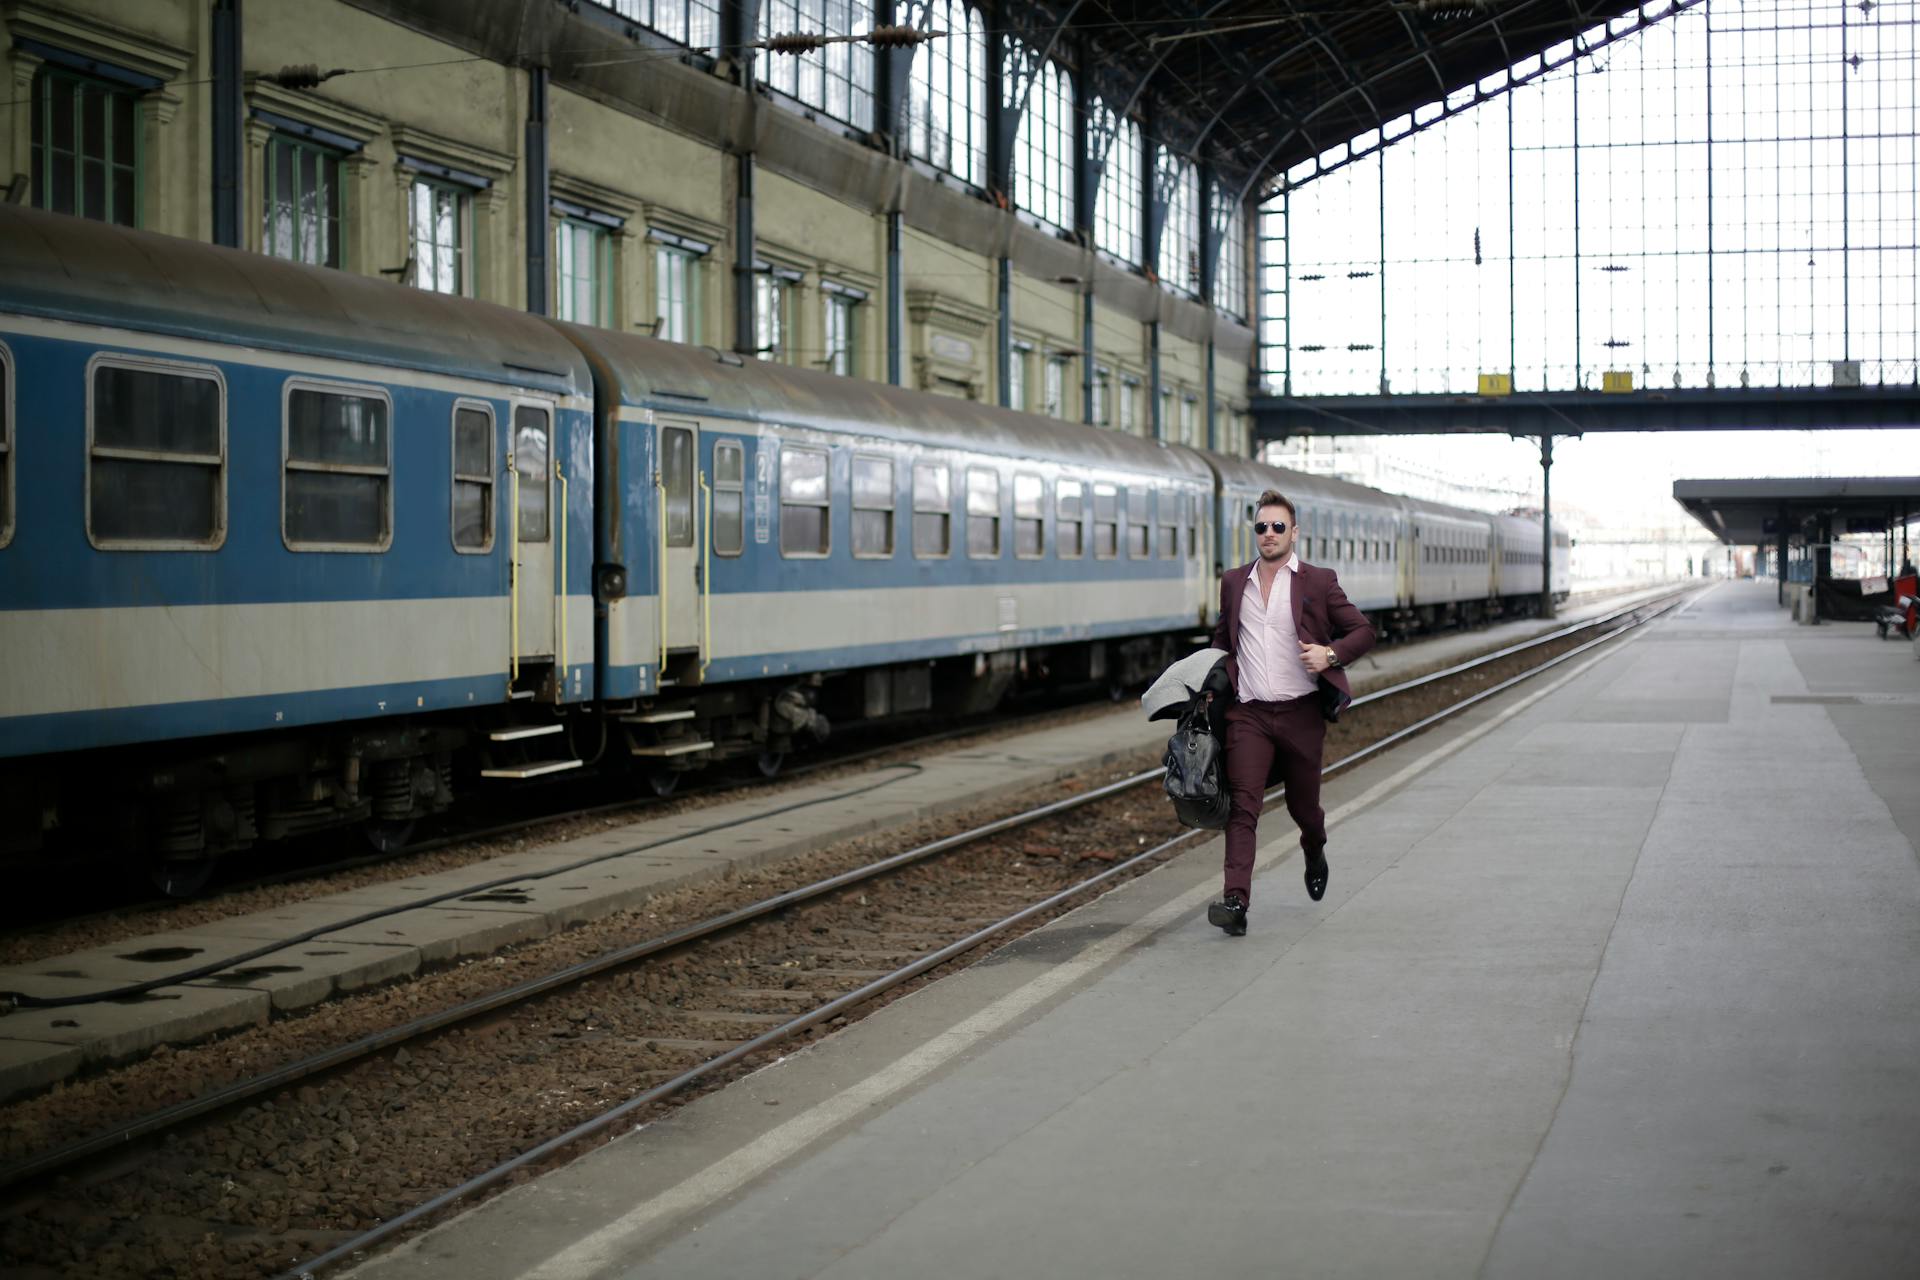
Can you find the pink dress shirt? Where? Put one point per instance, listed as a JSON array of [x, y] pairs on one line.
[[1269, 648]]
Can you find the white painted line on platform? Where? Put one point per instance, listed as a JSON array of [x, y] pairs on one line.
[[613, 1244]]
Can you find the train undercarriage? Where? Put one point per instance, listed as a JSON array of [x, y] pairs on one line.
[[173, 812]]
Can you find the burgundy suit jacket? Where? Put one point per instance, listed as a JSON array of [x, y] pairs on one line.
[[1322, 614]]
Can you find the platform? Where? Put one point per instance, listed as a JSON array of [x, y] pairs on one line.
[[1616, 977], [551, 887]]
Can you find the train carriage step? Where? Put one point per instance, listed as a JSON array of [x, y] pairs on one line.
[[670, 748], [531, 770], [657, 717], [525, 731]]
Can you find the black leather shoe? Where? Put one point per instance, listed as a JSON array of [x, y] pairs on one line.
[[1316, 875], [1230, 913]]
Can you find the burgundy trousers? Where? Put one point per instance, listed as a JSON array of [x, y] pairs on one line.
[[1259, 734]]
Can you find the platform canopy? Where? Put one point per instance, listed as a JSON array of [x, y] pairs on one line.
[[1745, 513]]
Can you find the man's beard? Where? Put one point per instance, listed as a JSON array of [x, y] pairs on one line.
[[1272, 555]]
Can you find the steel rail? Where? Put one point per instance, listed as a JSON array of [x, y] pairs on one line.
[[311, 1268], [332, 1059]]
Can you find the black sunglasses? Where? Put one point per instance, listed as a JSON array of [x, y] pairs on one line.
[[1261, 526]]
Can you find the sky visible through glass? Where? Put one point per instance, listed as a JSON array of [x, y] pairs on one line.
[[1726, 198]]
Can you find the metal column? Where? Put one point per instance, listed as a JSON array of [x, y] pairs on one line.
[[745, 338], [1780, 560], [1153, 379], [1546, 525], [1213, 441], [1003, 336], [539, 191], [896, 303], [896, 78], [741, 19], [229, 154]]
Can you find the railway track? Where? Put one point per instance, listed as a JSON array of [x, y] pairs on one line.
[[462, 1098]]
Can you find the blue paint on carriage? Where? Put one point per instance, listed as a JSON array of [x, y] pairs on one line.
[[159, 722], [847, 657], [50, 564], [762, 567]]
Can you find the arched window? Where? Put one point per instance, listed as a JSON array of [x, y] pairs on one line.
[[1116, 217], [1179, 265], [947, 104], [836, 80], [1043, 151]]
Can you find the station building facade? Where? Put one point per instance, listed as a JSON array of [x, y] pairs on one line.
[[392, 138]]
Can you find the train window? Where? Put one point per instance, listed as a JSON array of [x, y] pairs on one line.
[[803, 502], [1193, 523], [1067, 513], [729, 497], [932, 510], [336, 491], [1029, 512], [1169, 513], [872, 507], [983, 513], [472, 477], [1106, 521], [676, 477], [6, 447], [1138, 521], [156, 456], [532, 441]]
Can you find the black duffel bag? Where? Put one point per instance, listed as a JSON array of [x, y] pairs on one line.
[[1196, 778]]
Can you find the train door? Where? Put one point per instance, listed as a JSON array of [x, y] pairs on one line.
[[534, 602], [681, 587]]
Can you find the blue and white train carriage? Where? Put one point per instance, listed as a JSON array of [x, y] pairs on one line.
[[284, 548], [247, 501], [816, 525]]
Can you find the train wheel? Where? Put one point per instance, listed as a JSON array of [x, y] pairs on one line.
[[182, 877], [769, 762], [388, 836], [663, 782]]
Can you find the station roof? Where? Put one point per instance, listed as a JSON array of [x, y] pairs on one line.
[[1268, 86], [1754, 512]]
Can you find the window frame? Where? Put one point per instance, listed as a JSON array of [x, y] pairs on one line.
[[946, 553], [1039, 517], [808, 79], [952, 75], [1119, 218], [691, 430], [856, 505], [1019, 377], [600, 276], [1113, 492], [11, 518], [336, 218], [40, 177], [720, 486], [305, 382], [825, 504], [776, 293], [1078, 523], [463, 249], [177, 368], [1053, 385], [999, 539], [840, 308], [1043, 145], [550, 414], [667, 246], [1144, 492], [458, 477], [1168, 505]]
